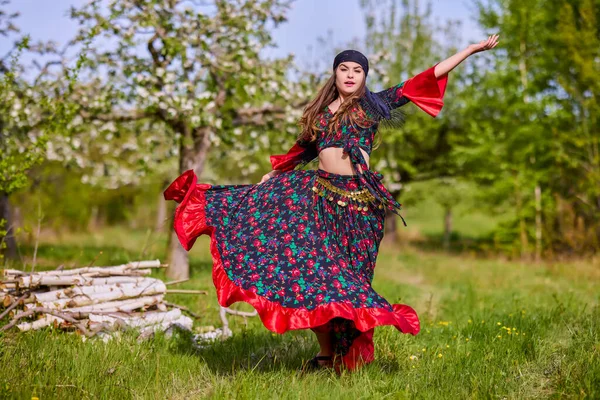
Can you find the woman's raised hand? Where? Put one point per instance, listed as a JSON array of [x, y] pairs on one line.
[[484, 45], [269, 175]]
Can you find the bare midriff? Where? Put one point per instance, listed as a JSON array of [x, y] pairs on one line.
[[334, 160]]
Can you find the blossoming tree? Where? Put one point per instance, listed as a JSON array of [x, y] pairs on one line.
[[192, 69]]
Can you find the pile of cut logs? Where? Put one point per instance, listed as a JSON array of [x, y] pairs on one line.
[[91, 300]]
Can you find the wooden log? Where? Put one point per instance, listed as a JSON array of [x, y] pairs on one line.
[[8, 285], [149, 318], [46, 320], [136, 289], [82, 299], [14, 305], [134, 265], [121, 305], [85, 314], [55, 313], [12, 272], [184, 291], [42, 280], [8, 300], [111, 280]]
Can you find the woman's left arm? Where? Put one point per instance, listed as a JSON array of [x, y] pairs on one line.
[[443, 67]]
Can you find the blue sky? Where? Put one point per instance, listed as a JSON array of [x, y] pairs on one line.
[[307, 20]]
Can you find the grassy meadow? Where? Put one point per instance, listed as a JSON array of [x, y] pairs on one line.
[[491, 328]]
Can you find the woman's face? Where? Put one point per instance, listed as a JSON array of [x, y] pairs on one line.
[[348, 78]]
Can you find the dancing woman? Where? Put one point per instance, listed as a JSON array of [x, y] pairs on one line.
[[301, 245]]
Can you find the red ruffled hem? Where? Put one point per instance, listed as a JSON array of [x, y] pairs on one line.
[[275, 317]]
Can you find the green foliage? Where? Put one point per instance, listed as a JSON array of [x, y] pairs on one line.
[[198, 84], [20, 147], [533, 122]]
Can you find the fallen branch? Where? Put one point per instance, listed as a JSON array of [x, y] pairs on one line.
[[183, 308], [176, 282], [55, 313], [13, 305], [184, 291]]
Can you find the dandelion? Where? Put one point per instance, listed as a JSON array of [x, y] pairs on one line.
[[498, 323], [440, 355], [467, 339], [470, 321], [424, 350], [447, 346]]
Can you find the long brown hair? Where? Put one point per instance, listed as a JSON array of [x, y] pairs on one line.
[[348, 110]]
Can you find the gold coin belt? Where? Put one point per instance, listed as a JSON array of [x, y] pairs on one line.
[[359, 199]]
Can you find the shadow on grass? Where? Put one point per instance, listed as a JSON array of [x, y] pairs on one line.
[[265, 352]]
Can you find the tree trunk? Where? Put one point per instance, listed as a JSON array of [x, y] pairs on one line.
[[93, 222], [161, 211], [179, 267], [17, 217], [5, 214], [522, 223], [447, 228], [191, 157], [538, 223], [390, 233]]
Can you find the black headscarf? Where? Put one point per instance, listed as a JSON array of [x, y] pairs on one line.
[[375, 103]]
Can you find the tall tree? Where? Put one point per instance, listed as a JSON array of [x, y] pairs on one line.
[[31, 111], [194, 68], [535, 133]]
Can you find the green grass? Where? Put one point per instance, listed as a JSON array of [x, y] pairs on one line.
[[467, 307]]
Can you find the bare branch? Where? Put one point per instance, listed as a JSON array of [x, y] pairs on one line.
[[134, 115], [49, 311]]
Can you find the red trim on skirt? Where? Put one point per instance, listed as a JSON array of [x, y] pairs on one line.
[[275, 317]]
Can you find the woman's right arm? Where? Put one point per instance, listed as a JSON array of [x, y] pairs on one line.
[[300, 153]]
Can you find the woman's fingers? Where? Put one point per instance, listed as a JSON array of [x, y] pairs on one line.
[[491, 42]]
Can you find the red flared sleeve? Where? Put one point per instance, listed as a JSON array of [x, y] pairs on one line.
[[298, 154], [426, 91]]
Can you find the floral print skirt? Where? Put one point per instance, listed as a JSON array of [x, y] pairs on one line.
[[298, 250]]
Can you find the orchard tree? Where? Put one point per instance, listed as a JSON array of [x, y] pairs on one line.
[[32, 110], [194, 68]]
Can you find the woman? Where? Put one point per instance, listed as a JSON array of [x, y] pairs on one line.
[[301, 245]]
